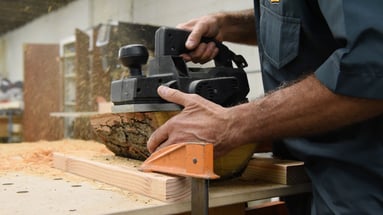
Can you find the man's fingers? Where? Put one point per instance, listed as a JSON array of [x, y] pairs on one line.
[[210, 52], [186, 57], [195, 36], [172, 95], [157, 138], [204, 53], [197, 54], [193, 40]]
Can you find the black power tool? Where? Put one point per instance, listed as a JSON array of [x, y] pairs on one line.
[[223, 84]]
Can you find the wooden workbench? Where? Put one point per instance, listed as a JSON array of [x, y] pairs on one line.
[[36, 159], [225, 194]]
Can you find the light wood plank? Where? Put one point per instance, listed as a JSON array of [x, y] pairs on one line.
[[275, 170], [158, 186]]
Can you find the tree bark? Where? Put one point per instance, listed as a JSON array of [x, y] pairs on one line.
[[126, 134]]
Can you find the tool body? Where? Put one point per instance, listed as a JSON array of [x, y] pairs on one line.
[[222, 84]]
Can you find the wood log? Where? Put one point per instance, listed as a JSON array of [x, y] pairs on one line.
[[126, 134]]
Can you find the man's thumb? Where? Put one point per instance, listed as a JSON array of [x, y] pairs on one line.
[[172, 95]]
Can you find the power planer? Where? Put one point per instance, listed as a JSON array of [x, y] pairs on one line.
[[223, 84]]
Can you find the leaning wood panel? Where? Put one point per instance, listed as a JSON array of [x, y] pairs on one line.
[[81, 127], [100, 79], [42, 93], [157, 186], [82, 72]]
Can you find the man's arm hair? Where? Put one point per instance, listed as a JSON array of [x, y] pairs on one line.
[[238, 27], [304, 108]]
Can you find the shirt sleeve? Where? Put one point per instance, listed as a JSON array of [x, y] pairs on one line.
[[355, 69]]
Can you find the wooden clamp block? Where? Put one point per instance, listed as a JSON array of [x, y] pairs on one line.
[[275, 170], [158, 186]]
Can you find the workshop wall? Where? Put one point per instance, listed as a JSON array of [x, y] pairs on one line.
[[83, 14], [50, 28], [2, 58]]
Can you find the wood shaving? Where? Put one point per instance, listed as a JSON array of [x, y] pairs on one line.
[[37, 157]]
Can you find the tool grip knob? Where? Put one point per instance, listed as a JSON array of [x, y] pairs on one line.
[[133, 56]]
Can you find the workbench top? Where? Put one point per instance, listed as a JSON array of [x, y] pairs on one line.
[[29, 185]]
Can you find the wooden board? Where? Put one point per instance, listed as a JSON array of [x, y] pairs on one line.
[[276, 170], [157, 186]]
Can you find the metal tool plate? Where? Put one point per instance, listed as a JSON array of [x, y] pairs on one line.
[[133, 108]]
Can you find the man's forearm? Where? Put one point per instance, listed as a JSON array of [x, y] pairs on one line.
[[304, 108], [238, 26]]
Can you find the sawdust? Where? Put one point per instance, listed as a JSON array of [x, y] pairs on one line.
[[36, 158]]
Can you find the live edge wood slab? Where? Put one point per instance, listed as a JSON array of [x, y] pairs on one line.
[[126, 135]]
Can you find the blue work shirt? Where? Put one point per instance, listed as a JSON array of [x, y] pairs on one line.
[[342, 43]]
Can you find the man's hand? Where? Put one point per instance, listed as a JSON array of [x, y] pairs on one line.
[[237, 27], [199, 121], [206, 26]]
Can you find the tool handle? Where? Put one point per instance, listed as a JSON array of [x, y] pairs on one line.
[[171, 41]]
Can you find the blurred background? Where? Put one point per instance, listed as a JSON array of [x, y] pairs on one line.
[[58, 57]]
